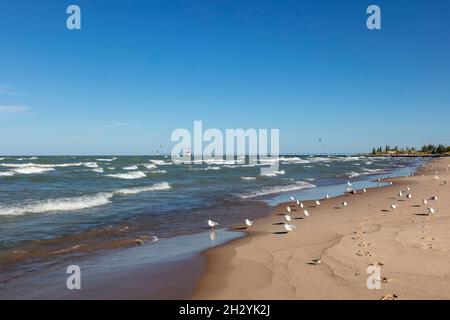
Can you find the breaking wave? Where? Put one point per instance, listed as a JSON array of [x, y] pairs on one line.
[[129, 175], [77, 203], [278, 189]]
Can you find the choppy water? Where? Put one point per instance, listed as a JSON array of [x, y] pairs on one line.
[[52, 208]]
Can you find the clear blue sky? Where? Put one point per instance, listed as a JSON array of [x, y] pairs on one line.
[[139, 69]]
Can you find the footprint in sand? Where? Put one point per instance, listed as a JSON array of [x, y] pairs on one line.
[[363, 244], [363, 253], [386, 280]]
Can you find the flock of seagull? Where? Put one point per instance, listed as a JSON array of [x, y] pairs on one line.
[[288, 226]]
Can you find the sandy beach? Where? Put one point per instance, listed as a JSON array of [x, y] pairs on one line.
[[410, 245]]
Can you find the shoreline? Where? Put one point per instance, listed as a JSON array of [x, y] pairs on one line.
[[266, 264]]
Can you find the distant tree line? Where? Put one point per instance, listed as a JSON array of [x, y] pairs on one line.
[[428, 149]]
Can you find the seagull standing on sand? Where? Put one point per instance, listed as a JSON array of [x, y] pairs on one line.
[[212, 224], [289, 227], [317, 203], [364, 190], [393, 206], [327, 197], [431, 211], [288, 209], [425, 201], [306, 213], [344, 204], [400, 194], [434, 198], [288, 217], [409, 196], [301, 205], [248, 222]]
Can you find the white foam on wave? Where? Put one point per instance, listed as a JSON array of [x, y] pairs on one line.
[[248, 178], [106, 160], [157, 171], [32, 170], [272, 173], [90, 164], [353, 174], [39, 165], [77, 203], [129, 168], [2, 159], [160, 162], [205, 168], [298, 185], [62, 204], [7, 174], [149, 166], [157, 186], [99, 170], [128, 175]]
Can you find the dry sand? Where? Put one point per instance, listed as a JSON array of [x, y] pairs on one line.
[[412, 247]]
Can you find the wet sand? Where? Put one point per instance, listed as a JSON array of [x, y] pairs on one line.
[[411, 246]]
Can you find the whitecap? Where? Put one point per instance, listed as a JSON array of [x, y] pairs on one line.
[[106, 160], [160, 162], [90, 164], [156, 187], [61, 204], [248, 178], [150, 166], [130, 168], [129, 175], [99, 170], [32, 170], [157, 171], [272, 173], [7, 174], [279, 189], [353, 174]]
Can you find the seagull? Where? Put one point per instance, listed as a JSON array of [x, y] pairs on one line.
[[288, 209], [434, 198], [298, 203], [289, 227], [349, 183], [317, 261], [212, 224], [288, 217], [409, 196], [344, 203], [248, 222], [348, 189], [425, 201], [327, 197], [353, 191], [301, 205], [292, 198], [306, 213], [408, 188], [436, 177], [393, 206], [364, 190], [431, 211], [400, 194], [317, 203]]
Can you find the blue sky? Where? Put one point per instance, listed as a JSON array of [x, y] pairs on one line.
[[140, 69]]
